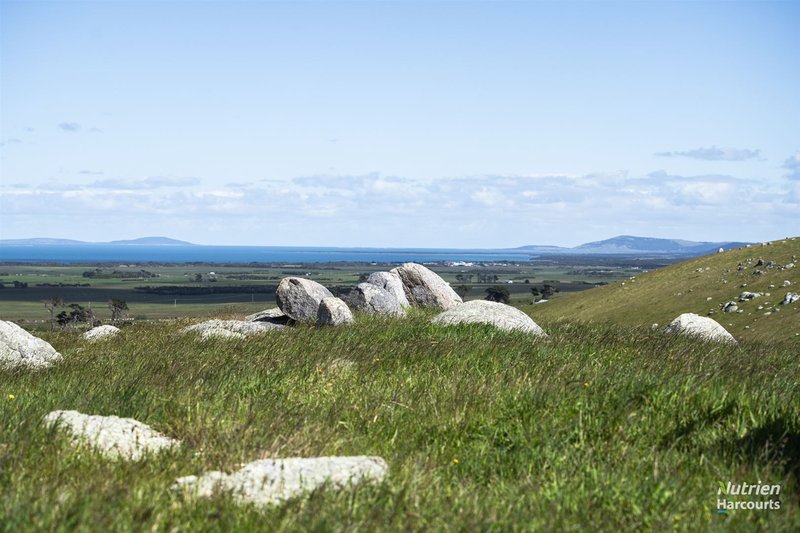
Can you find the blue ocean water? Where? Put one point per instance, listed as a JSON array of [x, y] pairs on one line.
[[80, 253]]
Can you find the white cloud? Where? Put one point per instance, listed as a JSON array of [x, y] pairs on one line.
[[792, 164], [715, 154]]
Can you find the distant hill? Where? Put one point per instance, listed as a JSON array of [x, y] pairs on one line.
[[641, 246], [41, 240], [627, 244], [153, 241], [144, 241], [701, 286]]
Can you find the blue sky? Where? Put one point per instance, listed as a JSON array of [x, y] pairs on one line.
[[477, 124]]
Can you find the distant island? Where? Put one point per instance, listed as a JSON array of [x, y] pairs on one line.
[[630, 245], [143, 241]]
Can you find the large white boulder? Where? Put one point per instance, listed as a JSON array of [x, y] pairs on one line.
[[299, 298], [699, 327], [390, 282], [502, 316], [231, 329], [425, 288], [101, 332], [272, 481], [18, 348], [374, 300], [114, 437], [333, 312]]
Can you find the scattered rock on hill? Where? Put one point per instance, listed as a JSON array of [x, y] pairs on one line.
[[790, 298], [425, 288], [701, 327], [114, 437], [391, 282], [231, 329], [730, 307], [273, 316], [502, 316], [299, 298], [747, 296], [272, 481], [18, 348], [333, 312], [101, 332], [374, 300]]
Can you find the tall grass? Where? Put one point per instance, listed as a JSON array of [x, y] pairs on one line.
[[591, 428]]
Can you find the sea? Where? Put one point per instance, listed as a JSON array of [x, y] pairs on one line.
[[126, 253]]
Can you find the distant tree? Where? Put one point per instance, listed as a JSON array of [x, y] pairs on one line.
[[198, 277], [462, 290], [498, 294], [535, 294], [51, 304], [548, 291], [72, 318], [527, 281], [363, 277], [119, 310]]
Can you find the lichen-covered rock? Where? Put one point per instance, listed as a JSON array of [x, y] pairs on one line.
[[272, 481], [699, 327], [373, 300], [502, 316], [299, 298], [390, 282], [425, 288], [114, 437], [101, 332], [18, 348], [231, 329], [333, 312]]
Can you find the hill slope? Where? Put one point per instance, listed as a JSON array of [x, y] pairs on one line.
[[699, 286]]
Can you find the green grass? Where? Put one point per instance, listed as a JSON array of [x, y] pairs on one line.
[[594, 427], [661, 295]]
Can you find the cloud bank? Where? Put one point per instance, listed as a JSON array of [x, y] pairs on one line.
[[715, 154], [379, 210]]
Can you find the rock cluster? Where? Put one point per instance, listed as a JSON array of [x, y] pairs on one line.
[[790, 298]]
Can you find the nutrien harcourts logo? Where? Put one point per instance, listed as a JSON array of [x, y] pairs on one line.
[[747, 496]]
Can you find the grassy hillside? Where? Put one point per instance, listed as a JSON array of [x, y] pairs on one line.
[[593, 428], [696, 286]]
